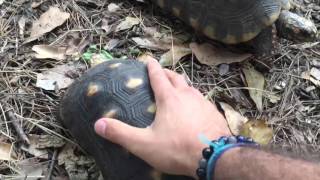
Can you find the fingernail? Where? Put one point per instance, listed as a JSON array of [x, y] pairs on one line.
[[152, 61], [100, 126]]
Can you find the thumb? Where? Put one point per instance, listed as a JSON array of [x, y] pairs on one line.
[[129, 137]]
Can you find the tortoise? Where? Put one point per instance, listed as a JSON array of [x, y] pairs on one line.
[[119, 89], [239, 21]]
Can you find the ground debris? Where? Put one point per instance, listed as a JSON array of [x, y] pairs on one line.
[[46, 141], [127, 23], [290, 100], [211, 55], [49, 52], [13, 119], [30, 169], [76, 166], [234, 118], [257, 130], [6, 152], [172, 57], [255, 81], [48, 21], [57, 78]]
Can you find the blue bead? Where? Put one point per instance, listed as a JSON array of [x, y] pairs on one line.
[[241, 138], [225, 139], [232, 140]]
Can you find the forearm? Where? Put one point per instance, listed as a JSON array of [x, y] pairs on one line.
[[252, 164]]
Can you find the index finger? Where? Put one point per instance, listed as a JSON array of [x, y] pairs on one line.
[[160, 83]]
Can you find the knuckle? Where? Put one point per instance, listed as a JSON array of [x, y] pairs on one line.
[[180, 77], [164, 97]]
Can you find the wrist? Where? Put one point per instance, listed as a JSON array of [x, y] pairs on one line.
[[226, 162], [193, 164], [194, 154], [215, 150]]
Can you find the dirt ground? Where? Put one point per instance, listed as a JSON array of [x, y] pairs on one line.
[[33, 141]]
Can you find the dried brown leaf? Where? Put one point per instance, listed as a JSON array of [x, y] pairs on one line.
[[47, 22], [315, 72], [31, 169], [173, 56], [46, 141], [211, 55], [76, 46], [37, 4], [49, 52], [165, 38], [112, 7], [112, 44], [39, 153], [235, 119], [6, 153], [258, 130], [67, 156], [255, 81], [127, 23], [56, 78], [105, 26], [307, 75], [150, 43]]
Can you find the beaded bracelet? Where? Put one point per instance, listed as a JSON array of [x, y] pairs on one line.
[[216, 148]]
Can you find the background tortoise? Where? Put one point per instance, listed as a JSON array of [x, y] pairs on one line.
[[118, 89], [237, 21]]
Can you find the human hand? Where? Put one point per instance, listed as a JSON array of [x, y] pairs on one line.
[[170, 144]]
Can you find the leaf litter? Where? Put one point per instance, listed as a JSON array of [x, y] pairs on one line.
[[234, 118], [256, 82], [57, 78], [258, 130], [211, 55], [6, 152], [172, 57], [48, 21], [49, 52], [30, 169], [290, 96], [127, 23]]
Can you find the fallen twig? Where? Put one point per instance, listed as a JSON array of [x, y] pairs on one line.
[[53, 160], [15, 123]]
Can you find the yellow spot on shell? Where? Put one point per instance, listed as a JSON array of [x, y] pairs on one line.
[[134, 82], [285, 4], [230, 39], [92, 90], [156, 175], [209, 31], [176, 11], [110, 114], [272, 18], [248, 36], [112, 66], [152, 108], [161, 3]]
